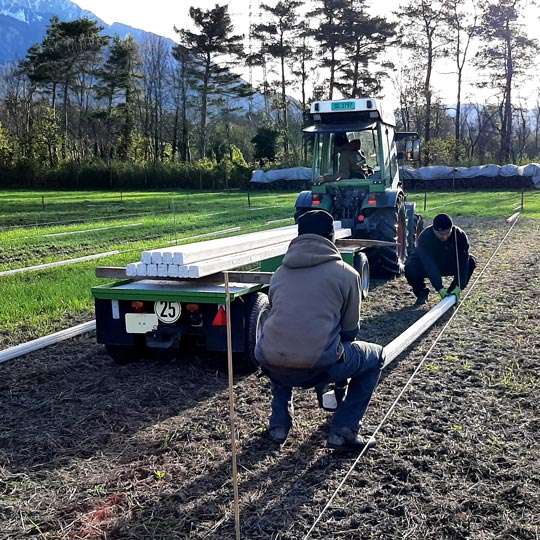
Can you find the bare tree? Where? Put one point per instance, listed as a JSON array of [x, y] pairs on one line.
[[463, 27], [506, 53], [422, 31]]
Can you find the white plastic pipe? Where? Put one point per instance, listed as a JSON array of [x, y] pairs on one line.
[[399, 344], [40, 343], [512, 218]]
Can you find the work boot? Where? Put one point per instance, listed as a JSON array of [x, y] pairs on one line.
[[348, 440], [277, 434], [422, 297]]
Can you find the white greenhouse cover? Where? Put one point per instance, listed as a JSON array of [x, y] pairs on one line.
[[436, 172], [440, 172], [295, 173]]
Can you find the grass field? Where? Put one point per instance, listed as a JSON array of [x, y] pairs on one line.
[[45, 227]]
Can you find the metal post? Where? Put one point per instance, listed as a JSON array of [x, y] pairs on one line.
[[522, 193], [425, 201]]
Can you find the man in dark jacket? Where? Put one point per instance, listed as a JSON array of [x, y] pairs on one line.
[[442, 250], [309, 336]]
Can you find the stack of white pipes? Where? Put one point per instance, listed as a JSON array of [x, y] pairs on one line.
[[211, 256]]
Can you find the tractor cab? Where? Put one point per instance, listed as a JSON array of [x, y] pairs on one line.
[[356, 177], [354, 141]]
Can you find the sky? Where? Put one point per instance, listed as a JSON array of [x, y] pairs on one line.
[[160, 17]]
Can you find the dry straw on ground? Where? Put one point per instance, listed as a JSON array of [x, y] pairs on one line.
[[92, 450]]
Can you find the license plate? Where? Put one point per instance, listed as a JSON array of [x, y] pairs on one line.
[[343, 106], [140, 323]]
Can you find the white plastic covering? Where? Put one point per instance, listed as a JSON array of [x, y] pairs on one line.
[[295, 173], [436, 172], [439, 172]]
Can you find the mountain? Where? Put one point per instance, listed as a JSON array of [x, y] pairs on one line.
[[24, 22]]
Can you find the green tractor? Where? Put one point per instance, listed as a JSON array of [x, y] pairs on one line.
[[356, 177]]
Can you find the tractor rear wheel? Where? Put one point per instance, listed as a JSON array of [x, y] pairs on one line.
[[389, 224], [415, 225]]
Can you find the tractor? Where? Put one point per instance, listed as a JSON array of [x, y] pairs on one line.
[[356, 177]]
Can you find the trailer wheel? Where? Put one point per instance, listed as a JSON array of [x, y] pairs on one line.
[[389, 224], [361, 265], [256, 310]]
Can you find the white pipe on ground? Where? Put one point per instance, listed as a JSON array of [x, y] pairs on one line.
[[512, 218], [399, 344], [59, 263], [40, 343]]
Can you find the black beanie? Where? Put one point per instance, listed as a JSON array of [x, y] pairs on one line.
[[317, 222], [442, 222]]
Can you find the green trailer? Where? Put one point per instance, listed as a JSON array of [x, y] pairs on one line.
[[137, 318]]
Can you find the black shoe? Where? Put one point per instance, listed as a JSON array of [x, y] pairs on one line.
[[347, 440], [422, 297], [277, 434]]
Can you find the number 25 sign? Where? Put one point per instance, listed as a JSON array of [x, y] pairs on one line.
[[167, 312]]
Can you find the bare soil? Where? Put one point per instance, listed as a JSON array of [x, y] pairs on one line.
[[93, 450]]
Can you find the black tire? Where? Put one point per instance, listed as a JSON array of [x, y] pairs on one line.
[[415, 225], [256, 308], [361, 265], [389, 224]]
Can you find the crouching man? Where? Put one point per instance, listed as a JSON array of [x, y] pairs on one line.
[[442, 250], [309, 336]]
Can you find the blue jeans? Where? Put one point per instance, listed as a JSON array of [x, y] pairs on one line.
[[361, 363]]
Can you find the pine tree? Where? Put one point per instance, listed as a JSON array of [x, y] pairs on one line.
[[214, 48], [277, 38], [366, 39], [331, 37], [118, 80]]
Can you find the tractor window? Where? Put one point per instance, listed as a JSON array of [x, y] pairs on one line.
[[323, 158], [391, 152], [369, 147], [330, 153]]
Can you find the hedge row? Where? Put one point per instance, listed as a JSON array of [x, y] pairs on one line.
[[119, 175]]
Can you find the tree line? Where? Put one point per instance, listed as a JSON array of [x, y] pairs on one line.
[[84, 103]]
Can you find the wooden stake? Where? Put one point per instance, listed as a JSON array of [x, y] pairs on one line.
[[231, 407]]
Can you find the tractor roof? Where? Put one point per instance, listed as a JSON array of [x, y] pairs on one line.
[[348, 111]]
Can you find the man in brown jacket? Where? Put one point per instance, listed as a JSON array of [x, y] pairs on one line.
[[309, 337]]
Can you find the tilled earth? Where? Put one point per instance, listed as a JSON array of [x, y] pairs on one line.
[[93, 450]]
